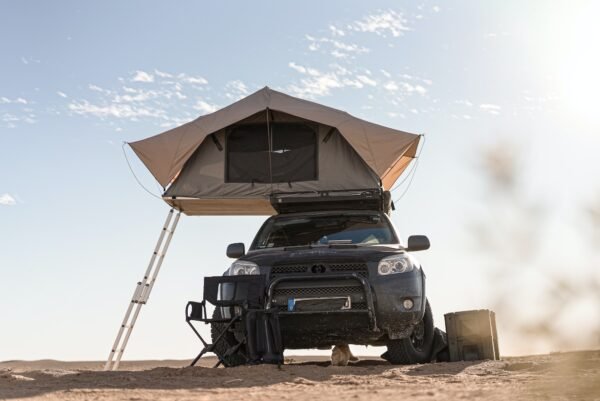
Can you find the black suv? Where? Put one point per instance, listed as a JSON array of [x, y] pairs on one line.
[[338, 273]]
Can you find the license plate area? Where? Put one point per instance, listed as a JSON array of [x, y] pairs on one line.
[[325, 304]]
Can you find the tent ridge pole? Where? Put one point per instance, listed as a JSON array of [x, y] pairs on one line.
[[142, 291]]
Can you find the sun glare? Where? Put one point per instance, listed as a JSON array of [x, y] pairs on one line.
[[579, 62]]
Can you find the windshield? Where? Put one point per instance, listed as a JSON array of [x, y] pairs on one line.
[[366, 229]]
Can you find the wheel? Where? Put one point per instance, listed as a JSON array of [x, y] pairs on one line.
[[216, 329], [415, 349]]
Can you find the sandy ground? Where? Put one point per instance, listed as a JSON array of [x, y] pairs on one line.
[[561, 376]]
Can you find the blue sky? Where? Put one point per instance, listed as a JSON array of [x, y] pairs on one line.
[[78, 78]]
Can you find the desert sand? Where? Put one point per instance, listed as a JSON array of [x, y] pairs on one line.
[[558, 376]]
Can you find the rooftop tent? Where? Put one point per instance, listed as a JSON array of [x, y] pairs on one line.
[[229, 162]]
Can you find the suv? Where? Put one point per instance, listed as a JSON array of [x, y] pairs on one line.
[[338, 273]]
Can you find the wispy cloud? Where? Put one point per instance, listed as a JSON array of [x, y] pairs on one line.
[[163, 97], [335, 31], [406, 87], [84, 107], [316, 83], [29, 60], [236, 90], [142, 76], [382, 23], [18, 100], [16, 111], [335, 47], [464, 102], [61, 94], [205, 107], [7, 200], [490, 108]]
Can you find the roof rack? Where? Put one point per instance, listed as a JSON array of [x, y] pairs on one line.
[[358, 199]]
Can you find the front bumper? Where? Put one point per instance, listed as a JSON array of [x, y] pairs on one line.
[[379, 313]]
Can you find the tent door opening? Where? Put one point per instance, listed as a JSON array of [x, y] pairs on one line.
[[275, 152]]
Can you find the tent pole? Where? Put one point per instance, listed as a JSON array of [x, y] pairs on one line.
[[142, 291], [270, 139]]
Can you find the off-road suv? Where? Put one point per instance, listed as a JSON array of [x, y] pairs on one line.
[[338, 272]]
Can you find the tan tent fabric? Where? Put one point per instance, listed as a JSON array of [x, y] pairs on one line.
[[386, 151], [339, 167], [222, 207]]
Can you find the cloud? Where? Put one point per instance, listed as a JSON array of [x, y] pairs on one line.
[[11, 120], [317, 83], [382, 24], [366, 80], [163, 74], [7, 200], [405, 87], [335, 31], [111, 110], [142, 76], [320, 83], [19, 100], [163, 97], [464, 102], [236, 90], [391, 86], [99, 89], [191, 79], [490, 108], [205, 107], [61, 94], [335, 47], [28, 60]]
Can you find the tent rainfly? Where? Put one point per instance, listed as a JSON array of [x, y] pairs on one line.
[[229, 162], [232, 161]]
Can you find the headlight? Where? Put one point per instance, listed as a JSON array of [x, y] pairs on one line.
[[395, 264], [242, 267]]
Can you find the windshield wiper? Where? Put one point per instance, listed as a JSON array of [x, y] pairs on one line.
[[330, 245], [342, 245]]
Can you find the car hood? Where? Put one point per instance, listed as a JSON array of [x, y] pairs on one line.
[[266, 257]]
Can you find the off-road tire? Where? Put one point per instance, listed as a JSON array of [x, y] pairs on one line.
[[235, 359], [416, 348]]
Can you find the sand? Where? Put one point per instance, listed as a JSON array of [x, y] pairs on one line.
[[560, 376]]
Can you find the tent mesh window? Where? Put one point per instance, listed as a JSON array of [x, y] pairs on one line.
[[293, 156]]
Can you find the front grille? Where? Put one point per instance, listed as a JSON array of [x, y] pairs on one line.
[[360, 268], [288, 269], [309, 268], [318, 292], [356, 294]]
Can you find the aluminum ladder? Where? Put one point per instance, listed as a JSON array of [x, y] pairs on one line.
[[142, 291]]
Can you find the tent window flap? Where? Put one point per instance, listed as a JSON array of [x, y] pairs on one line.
[[293, 155]]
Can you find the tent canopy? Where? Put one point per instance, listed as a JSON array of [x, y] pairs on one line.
[[230, 161]]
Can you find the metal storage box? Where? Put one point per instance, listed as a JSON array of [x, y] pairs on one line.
[[472, 335]]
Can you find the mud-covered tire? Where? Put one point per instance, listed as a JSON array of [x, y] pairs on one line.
[[235, 359], [415, 349]]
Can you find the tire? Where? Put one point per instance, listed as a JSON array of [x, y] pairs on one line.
[[415, 349], [216, 329]]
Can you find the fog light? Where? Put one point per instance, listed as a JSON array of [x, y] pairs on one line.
[[408, 304]]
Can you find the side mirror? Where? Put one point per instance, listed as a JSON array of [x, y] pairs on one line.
[[236, 250], [418, 243]]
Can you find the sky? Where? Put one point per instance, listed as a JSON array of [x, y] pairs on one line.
[[78, 79]]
